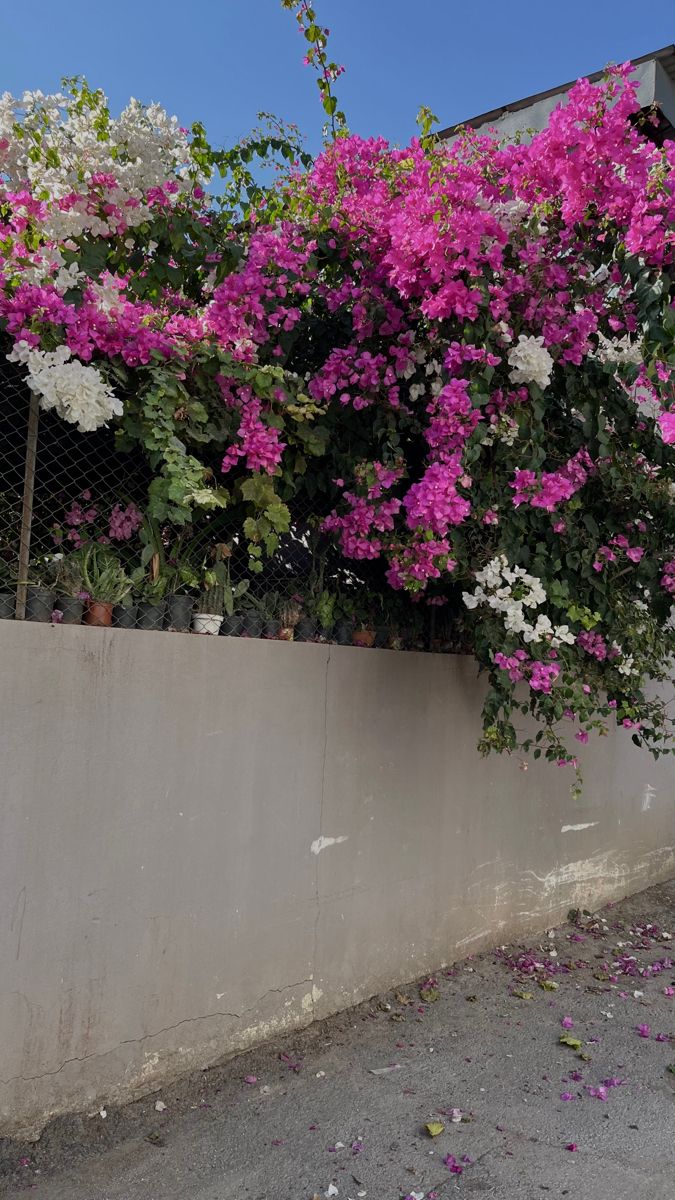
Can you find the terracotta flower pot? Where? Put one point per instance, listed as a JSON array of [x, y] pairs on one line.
[[363, 637], [99, 612]]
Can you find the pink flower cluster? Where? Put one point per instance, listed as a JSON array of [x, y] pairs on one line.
[[668, 577], [259, 444], [540, 676], [124, 522], [553, 487], [593, 643]]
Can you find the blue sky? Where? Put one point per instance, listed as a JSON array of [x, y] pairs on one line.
[[221, 61]]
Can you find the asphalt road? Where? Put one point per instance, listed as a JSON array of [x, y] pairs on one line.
[[320, 1122]]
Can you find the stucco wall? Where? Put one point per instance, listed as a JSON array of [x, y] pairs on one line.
[[206, 841], [654, 86]]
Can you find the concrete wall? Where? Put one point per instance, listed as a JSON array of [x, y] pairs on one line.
[[654, 86], [204, 842]]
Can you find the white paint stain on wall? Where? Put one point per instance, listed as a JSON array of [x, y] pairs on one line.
[[322, 842], [648, 796], [473, 937], [576, 828]]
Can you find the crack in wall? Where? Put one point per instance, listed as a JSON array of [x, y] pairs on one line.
[[157, 1033]]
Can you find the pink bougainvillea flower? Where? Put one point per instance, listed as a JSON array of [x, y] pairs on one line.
[[667, 423], [567, 1096], [571, 1146], [567, 1023], [643, 1031], [452, 1164]]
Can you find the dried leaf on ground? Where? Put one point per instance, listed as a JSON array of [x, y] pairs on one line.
[[434, 1128]]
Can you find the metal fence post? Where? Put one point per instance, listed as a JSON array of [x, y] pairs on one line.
[[27, 504]]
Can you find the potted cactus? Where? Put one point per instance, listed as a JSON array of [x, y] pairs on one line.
[[208, 613], [290, 613], [105, 582]]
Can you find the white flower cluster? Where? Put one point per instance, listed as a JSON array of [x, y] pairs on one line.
[[511, 590], [106, 293], [618, 350], [531, 361], [627, 664], [504, 430], [77, 392], [56, 143], [646, 401]]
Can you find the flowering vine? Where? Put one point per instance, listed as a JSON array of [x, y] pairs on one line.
[[460, 353]]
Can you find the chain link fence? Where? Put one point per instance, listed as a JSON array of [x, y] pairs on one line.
[[76, 547]]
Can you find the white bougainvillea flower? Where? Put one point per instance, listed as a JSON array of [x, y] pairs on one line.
[[530, 361]]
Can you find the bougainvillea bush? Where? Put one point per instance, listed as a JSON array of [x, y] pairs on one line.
[[462, 354]]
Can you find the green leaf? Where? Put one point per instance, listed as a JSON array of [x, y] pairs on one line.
[[259, 490]]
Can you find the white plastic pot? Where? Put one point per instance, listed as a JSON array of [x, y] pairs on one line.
[[207, 623]]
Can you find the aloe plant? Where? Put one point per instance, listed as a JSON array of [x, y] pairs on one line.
[[103, 576]]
